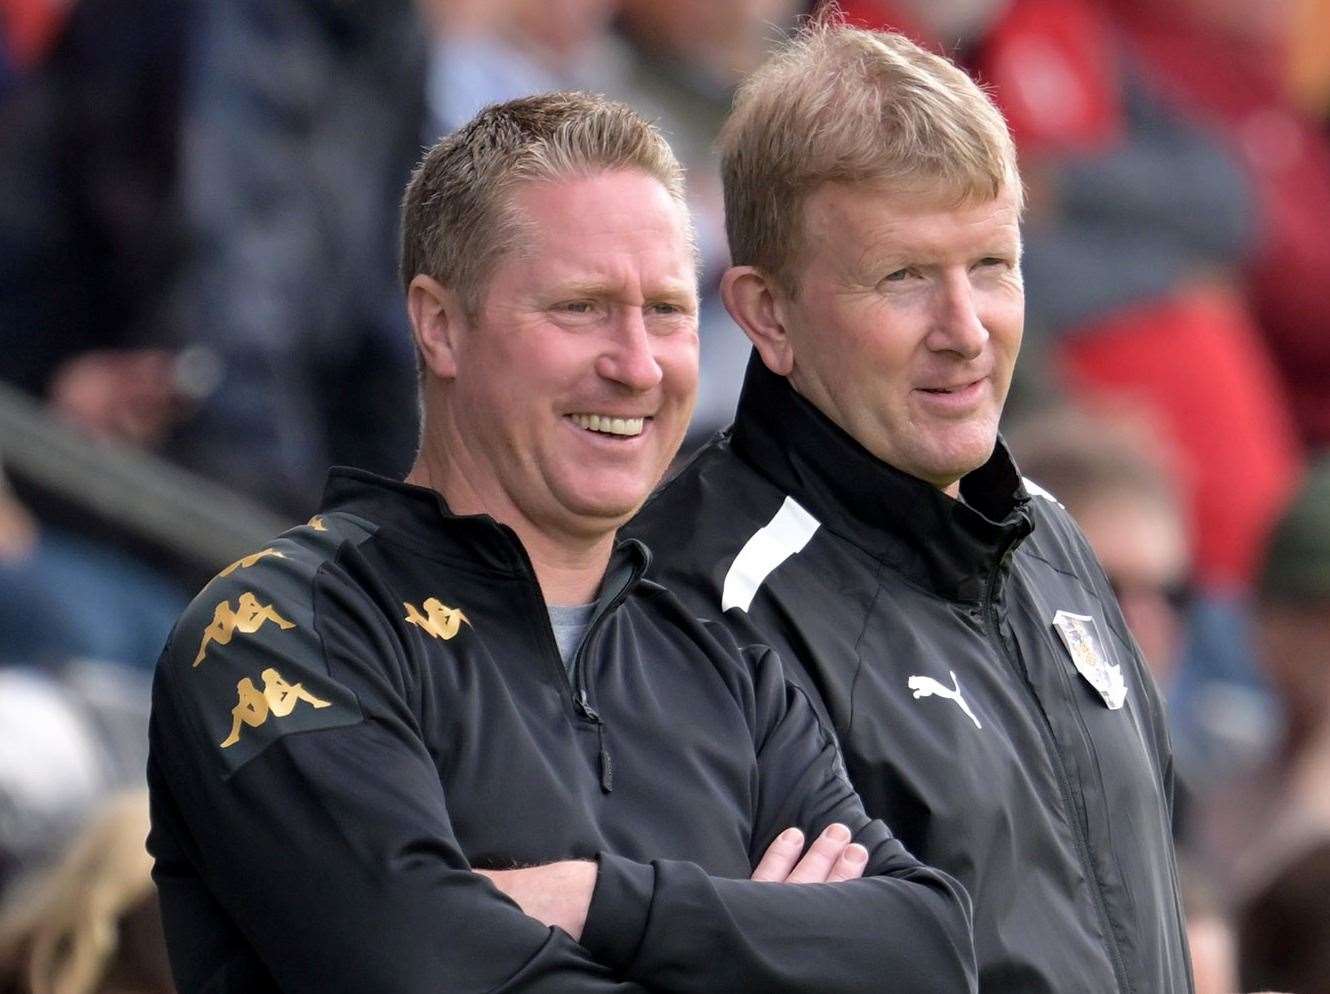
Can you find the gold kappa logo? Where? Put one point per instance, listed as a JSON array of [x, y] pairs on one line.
[[245, 562], [247, 618], [439, 620], [277, 698], [317, 524]]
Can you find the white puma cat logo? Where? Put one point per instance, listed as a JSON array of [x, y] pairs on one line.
[[926, 686]]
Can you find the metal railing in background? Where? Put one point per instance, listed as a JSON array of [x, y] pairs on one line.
[[182, 511]]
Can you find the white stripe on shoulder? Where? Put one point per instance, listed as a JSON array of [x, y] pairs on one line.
[[1035, 490], [781, 537]]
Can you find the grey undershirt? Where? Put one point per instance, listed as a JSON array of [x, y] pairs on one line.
[[569, 624]]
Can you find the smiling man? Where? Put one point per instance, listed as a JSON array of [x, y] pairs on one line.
[[445, 737], [863, 516]]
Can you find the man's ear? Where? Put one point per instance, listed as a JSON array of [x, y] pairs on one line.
[[752, 300], [436, 320]]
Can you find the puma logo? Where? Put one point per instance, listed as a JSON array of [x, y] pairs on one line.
[[926, 686]]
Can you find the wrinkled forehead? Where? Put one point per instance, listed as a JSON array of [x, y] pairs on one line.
[[618, 233], [859, 215], [601, 205]]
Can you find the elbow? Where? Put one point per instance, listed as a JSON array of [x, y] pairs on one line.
[[939, 954]]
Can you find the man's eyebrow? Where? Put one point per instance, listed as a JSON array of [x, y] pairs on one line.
[[585, 288], [671, 290]]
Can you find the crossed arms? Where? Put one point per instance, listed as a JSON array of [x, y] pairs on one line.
[[559, 894], [330, 857]]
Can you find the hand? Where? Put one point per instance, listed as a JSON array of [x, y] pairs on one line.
[[557, 894], [128, 394], [18, 529], [831, 858]]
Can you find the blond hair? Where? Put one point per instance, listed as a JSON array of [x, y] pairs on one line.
[[849, 105], [457, 218], [60, 932]]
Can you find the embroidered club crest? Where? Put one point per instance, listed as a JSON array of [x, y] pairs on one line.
[[1081, 637]]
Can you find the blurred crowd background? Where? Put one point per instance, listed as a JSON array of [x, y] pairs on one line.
[[199, 313]]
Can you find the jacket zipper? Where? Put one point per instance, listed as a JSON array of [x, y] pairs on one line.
[[577, 688], [1064, 782], [581, 699], [577, 691]]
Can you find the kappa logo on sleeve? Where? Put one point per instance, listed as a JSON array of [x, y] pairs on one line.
[[439, 620], [277, 699], [317, 524], [245, 562], [247, 617], [242, 718]]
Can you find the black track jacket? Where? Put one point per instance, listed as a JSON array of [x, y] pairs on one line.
[[925, 626], [347, 721]]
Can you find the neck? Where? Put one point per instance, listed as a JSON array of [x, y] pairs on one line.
[[569, 565]]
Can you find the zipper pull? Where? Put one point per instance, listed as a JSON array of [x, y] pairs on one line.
[[606, 765], [588, 712]]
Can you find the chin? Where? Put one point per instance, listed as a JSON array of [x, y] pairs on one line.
[[609, 512], [955, 461]]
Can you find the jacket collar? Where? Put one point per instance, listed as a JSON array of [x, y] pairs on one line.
[[948, 546], [419, 518]]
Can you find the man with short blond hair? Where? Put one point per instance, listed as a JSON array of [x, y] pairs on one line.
[[862, 516], [448, 738]]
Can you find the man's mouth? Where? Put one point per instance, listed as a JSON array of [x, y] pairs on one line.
[[957, 388], [608, 424]]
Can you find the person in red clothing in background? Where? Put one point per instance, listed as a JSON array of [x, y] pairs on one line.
[[1227, 62]]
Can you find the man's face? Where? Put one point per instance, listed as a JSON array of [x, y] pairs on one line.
[[907, 322], [576, 379]]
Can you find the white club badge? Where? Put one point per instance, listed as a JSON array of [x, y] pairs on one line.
[[1081, 637]]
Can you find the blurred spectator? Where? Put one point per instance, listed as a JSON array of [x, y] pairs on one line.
[[67, 737], [64, 596], [18, 531], [1210, 932], [90, 924], [27, 30], [1286, 804], [300, 122], [201, 206], [1225, 61], [88, 241], [1129, 267], [1284, 930], [1120, 489], [88, 249], [485, 53], [1117, 477], [1294, 609], [1309, 58]]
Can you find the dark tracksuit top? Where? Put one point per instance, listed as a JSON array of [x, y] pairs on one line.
[[348, 720], [925, 628]]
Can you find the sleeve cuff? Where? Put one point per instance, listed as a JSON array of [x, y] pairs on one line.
[[617, 917]]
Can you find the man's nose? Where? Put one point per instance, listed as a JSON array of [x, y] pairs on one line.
[[629, 356], [957, 326]]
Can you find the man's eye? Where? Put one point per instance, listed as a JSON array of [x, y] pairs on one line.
[[990, 261], [577, 307], [899, 276]]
